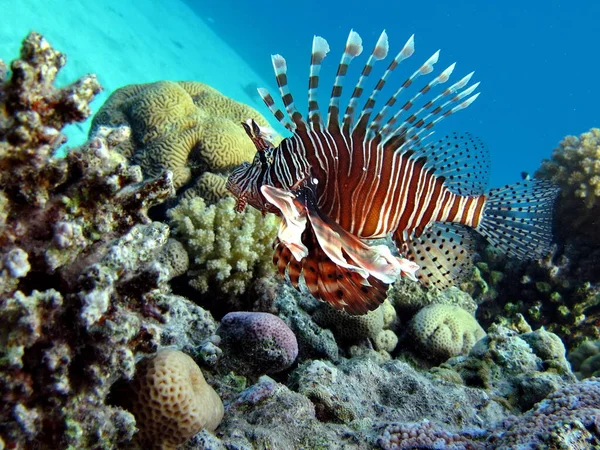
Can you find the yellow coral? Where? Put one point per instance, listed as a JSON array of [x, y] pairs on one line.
[[444, 331], [228, 248], [186, 127], [575, 167], [172, 400]]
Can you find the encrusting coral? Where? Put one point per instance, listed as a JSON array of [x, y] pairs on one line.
[[186, 127], [228, 249], [172, 401]]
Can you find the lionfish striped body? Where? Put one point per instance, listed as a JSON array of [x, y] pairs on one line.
[[339, 183]]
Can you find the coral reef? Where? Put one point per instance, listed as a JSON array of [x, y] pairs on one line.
[[228, 249], [186, 127], [81, 293], [443, 331], [575, 167], [256, 343], [551, 292], [171, 400], [568, 418], [521, 368], [585, 359]]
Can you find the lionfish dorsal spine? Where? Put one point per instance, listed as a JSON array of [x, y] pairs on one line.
[[280, 68], [281, 118], [410, 132], [380, 51], [443, 77], [363, 120], [320, 48], [423, 127], [352, 49], [424, 69]]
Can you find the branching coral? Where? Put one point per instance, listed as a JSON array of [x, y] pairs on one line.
[[575, 166], [228, 249], [186, 127]]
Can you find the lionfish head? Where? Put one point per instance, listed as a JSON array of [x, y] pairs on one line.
[[246, 180]]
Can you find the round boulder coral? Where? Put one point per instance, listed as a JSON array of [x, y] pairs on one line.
[[444, 331], [186, 127], [256, 343], [172, 401]]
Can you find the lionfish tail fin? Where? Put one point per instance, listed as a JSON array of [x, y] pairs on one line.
[[517, 218]]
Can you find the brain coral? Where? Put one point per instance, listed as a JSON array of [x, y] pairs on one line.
[[228, 248], [186, 127], [444, 331], [257, 343], [172, 401]]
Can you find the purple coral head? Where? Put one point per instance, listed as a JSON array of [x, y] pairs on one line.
[[256, 343]]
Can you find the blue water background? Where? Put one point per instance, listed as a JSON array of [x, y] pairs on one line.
[[537, 61]]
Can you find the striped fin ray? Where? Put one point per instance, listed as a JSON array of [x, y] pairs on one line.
[[379, 52], [320, 48], [280, 68], [445, 253], [268, 99], [404, 130], [440, 113], [353, 48], [406, 52], [426, 68], [517, 218], [443, 77]]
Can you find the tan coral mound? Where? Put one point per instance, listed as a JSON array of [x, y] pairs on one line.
[[173, 401], [575, 167], [444, 331], [186, 127]]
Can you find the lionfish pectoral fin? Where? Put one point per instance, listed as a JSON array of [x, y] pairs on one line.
[[294, 220], [350, 252], [444, 253]]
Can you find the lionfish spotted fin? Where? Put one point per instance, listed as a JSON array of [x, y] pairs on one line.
[[444, 254]]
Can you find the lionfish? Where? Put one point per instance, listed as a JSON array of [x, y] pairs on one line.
[[340, 183]]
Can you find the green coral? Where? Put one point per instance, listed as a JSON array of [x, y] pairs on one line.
[[227, 248]]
